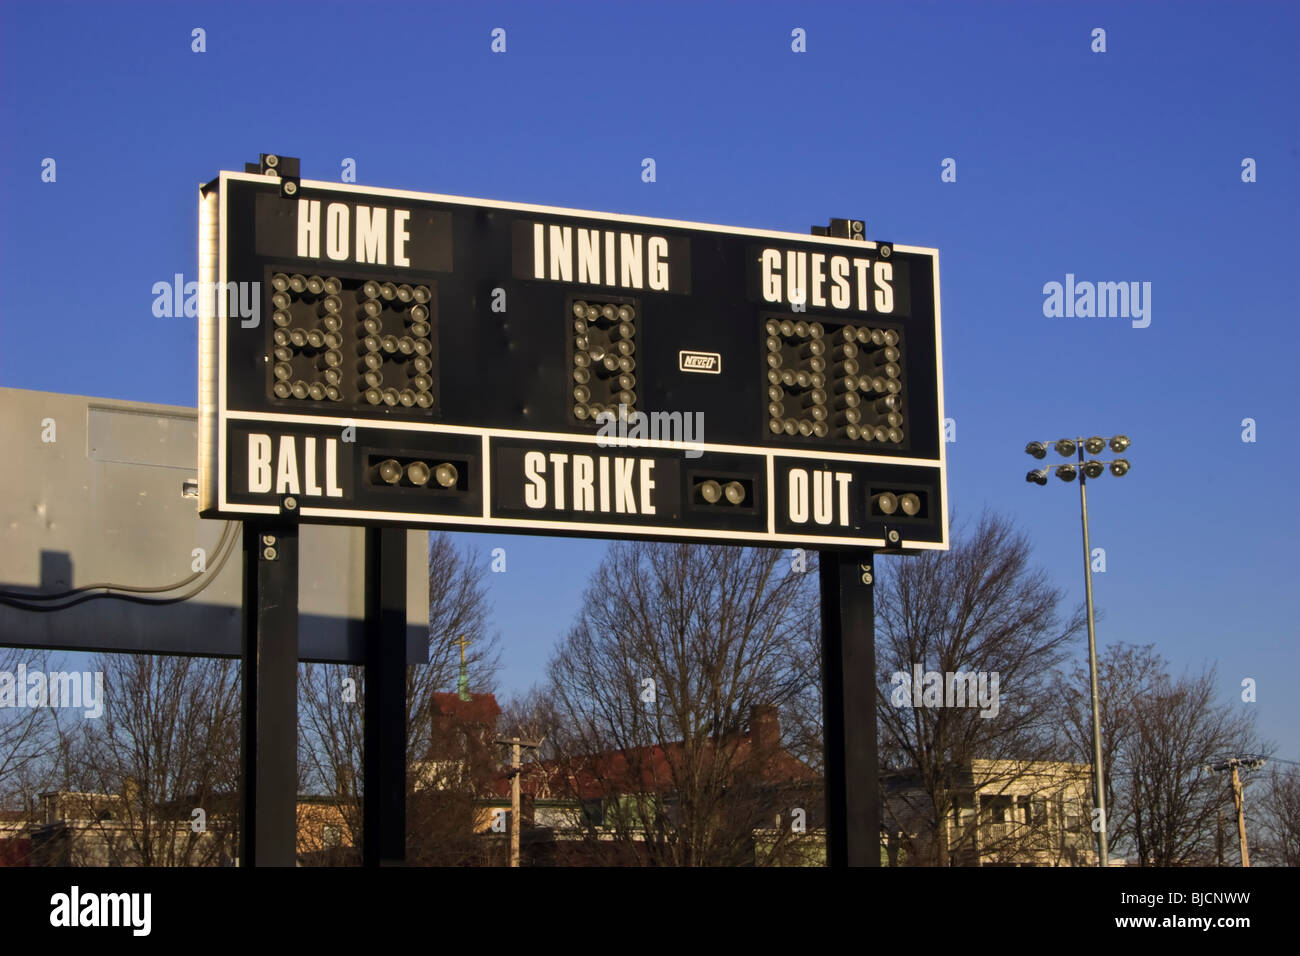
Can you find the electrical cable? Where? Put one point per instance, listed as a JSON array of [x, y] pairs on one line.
[[56, 595], [132, 593]]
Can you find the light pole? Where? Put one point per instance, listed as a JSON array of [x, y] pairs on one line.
[[1092, 468]]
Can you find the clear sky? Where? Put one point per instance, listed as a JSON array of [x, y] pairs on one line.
[[1122, 165]]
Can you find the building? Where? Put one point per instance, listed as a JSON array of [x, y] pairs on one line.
[[100, 829], [608, 808], [325, 832], [1001, 813]]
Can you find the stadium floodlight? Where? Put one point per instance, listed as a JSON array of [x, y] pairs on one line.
[[1084, 470]]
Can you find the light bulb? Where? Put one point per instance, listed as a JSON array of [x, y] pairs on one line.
[[886, 502]]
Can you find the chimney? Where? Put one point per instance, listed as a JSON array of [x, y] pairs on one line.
[[764, 728]]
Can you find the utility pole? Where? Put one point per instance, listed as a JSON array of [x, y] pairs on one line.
[[1241, 817], [516, 768], [1234, 764]]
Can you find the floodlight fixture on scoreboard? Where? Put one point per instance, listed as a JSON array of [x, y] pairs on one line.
[[381, 356]]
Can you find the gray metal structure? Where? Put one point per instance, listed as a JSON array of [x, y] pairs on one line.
[[103, 503]]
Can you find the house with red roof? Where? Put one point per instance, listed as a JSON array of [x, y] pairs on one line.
[[732, 797]]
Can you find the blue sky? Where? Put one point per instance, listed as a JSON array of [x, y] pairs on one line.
[[1117, 166]]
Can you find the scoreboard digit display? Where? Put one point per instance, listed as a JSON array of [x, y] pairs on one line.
[[372, 356]]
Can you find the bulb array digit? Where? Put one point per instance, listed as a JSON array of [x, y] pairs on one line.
[[818, 386], [317, 320]]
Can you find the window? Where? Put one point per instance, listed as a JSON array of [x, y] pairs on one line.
[[593, 812], [1038, 812], [996, 808], [1073, 816]]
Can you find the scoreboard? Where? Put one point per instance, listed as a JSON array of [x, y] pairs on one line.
[[380, 356]]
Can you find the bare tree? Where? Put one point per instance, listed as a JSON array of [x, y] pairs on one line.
[[1160, 737], [675, 649], [166, 746], [1125, 673], [979, 608], [802, 715], [27, 740], [332, 706], [1175, 797], [1279, 822]]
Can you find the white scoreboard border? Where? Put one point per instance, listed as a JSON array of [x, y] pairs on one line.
[[214, 416]]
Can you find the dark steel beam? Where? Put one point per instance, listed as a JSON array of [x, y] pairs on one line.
[[384, 813], [268, 831], [849, 705]]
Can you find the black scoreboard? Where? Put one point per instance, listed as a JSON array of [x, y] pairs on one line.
[[373, 356]]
